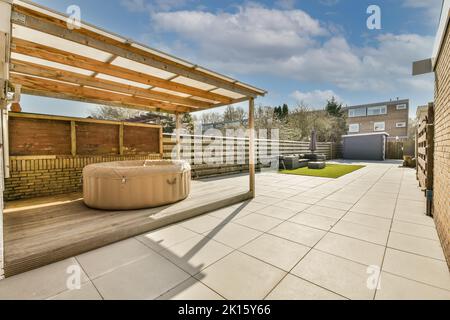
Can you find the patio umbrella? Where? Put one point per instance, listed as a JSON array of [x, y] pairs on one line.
[[313, 144]]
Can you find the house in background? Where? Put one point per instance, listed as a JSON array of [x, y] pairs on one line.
[[391, 117]]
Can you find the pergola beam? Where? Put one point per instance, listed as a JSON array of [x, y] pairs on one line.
[[70, 59], [63, 96], [178, 135], [56, 27], [40, 84], [251, 146], [5, 37], [37, 70]]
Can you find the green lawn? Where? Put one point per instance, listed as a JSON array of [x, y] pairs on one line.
[[331, 171]]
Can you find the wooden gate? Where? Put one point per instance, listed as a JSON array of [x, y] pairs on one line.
[[425, 152], [394, 150]]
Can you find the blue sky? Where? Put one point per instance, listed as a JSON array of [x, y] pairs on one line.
[[301, 51]]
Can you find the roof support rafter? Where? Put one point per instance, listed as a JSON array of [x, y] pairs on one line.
[[70, 59], [37, 70], [39, 84], [50, 25]]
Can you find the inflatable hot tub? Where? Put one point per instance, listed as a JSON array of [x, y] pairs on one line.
[[129, 185]]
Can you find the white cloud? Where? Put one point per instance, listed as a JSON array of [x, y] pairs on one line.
[[253, 32], [316, 99], [291, 44]]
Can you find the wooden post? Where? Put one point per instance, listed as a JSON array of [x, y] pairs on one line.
[[251, 149], [5, 38], [161, 142], [178, 135], [121, 133], [73, 137]]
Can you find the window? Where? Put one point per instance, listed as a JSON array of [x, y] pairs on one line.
[[358, 112], [400, 124], [402, 106], [376, 111], [353, 128], [379, 126]]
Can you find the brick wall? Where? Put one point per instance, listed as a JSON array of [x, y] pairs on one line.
[[45, 176], [393, 116], [441, 203]]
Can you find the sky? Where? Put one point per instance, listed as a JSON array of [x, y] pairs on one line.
[[300, 51]]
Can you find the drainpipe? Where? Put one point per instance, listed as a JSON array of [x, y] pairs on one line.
[[429, 195]]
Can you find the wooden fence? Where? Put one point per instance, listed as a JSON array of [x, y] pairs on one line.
[[425, 150], [48, 153], [39, 135], [210, 156]]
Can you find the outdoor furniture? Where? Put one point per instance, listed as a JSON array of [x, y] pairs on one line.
[[129, 185], [316, 165], [315, 157], [302, 163], [291, 162]]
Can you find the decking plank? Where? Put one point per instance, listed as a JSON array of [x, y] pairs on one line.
[[42, 233]]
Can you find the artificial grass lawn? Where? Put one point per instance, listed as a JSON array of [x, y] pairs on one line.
[[331, 171]]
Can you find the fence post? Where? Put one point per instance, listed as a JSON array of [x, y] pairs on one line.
[[251, 122]]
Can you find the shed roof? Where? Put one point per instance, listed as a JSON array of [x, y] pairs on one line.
[[51, 58], [366, 134]]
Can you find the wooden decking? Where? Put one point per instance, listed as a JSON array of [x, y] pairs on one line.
[[42, 231]]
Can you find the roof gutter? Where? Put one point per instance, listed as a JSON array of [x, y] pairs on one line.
[[429, 65]]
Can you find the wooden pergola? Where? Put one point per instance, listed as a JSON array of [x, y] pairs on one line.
[[42, 53], [45, 55]]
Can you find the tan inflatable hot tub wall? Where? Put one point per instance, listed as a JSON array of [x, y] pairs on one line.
[[131, 185]]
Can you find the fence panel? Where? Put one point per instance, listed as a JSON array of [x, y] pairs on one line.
[[425, 150], [211, 156]]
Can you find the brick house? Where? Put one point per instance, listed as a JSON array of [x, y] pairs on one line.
[[390, 116], [440, 65]]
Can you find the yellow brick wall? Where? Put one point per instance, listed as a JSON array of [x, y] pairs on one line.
[[46, 176], [441, 204]]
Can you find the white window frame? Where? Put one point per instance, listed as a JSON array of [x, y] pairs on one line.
[[376, 124], [400, 124], [352, 112], [383, 110], [402, 106], [353, 125]]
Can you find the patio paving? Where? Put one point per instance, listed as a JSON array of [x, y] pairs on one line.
[[300, 238]]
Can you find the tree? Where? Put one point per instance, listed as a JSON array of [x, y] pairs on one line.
[[114, 113], [334, 108], [233, 114], [302, 120], [188, 122], [285, 111], [211, 117], [281, 112]]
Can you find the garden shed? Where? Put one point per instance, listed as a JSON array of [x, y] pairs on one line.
[[370, 146]]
